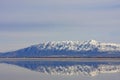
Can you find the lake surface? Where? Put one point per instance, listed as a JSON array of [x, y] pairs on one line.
[[59, 70]]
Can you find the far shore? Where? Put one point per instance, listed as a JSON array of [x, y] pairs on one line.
[[62, 59]]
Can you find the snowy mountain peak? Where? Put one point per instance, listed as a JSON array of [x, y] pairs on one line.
[[79, 46], [92, 42], [70, 48]]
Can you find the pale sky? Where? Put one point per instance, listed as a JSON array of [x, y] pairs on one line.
[[28, 22]]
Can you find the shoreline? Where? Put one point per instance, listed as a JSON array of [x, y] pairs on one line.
[[60, 59]]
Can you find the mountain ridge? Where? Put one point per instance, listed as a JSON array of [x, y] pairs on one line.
[[90, 48]]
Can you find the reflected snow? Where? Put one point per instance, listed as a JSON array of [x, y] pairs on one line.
[[68, 67]]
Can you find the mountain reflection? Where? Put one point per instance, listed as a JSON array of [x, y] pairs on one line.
[[68, 67]]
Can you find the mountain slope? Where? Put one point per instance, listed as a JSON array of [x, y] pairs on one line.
[[89, 48]]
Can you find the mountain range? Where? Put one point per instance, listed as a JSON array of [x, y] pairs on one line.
[[90, 48]]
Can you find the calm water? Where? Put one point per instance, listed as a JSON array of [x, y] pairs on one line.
[[59, 70]]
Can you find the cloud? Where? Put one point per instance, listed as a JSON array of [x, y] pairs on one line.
[[29, 21], [27, 34], [62, 11]]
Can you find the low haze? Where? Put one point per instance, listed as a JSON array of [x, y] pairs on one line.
[[27, 22]]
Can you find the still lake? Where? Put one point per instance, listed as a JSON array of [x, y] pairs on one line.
[[59, 70]]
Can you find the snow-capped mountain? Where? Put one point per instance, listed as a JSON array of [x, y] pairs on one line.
[[79, 46], [69, 68], [89, 48]]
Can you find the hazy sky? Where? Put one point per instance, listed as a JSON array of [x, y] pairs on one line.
[[28, 22]]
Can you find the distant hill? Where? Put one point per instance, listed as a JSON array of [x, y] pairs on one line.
[[89, 48]]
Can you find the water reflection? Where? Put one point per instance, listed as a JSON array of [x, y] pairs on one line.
[[68, 67]]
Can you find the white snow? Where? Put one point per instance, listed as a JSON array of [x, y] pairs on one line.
[[79, 46], [79, 69]]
